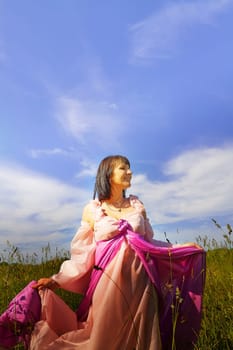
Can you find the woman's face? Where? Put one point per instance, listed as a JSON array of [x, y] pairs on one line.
[[121, 175]]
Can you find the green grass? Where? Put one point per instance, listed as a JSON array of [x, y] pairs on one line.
[[17, 271], [216, 333], [217, 324]]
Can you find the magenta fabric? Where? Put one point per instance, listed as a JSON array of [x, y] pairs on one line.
[[17, 322], [105, 252], [178, 274]]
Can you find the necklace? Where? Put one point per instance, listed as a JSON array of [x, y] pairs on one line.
[[113, 208]]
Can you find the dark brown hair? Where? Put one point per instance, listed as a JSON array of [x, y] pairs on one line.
[[102, 184]]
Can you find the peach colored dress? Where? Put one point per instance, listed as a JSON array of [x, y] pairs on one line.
[[123, 314]]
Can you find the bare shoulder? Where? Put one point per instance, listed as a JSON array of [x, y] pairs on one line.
[[88, 214]]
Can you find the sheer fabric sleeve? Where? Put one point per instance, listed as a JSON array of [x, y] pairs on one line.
[[74, 274], [149, 233], [138, 204]]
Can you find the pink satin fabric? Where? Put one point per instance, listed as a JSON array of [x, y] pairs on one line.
[[138, 293], [178, 274]]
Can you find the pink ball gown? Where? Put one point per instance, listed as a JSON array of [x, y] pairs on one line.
[[138, 293]]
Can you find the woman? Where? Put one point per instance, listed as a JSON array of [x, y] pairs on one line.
[[137, 295]]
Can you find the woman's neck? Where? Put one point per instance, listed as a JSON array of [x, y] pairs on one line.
[[116, 200], [116, 197], [116, 203]]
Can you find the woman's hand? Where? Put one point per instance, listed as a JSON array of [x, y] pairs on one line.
[[46, 283], [192, 244], [188, 244]]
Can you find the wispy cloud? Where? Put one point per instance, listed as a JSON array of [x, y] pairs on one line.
[[37, 153], [96, 80], [158, 35], [89, 121], [88, 169], [36, 207], [199, 185]]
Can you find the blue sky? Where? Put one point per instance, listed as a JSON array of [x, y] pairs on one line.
[[80, 80]]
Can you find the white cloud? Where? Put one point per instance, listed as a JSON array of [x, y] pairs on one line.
[[199, 186], [89, 121], [89, 169], [35, 207], [96, 81], [37, 153], [158, 35]]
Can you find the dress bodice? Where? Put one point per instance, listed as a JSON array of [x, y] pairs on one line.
[[106, 227], [83, 245]]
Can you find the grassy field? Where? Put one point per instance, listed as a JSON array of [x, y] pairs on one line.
[[17, 270]]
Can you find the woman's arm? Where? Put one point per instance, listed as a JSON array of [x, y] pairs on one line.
[[74, 272]]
